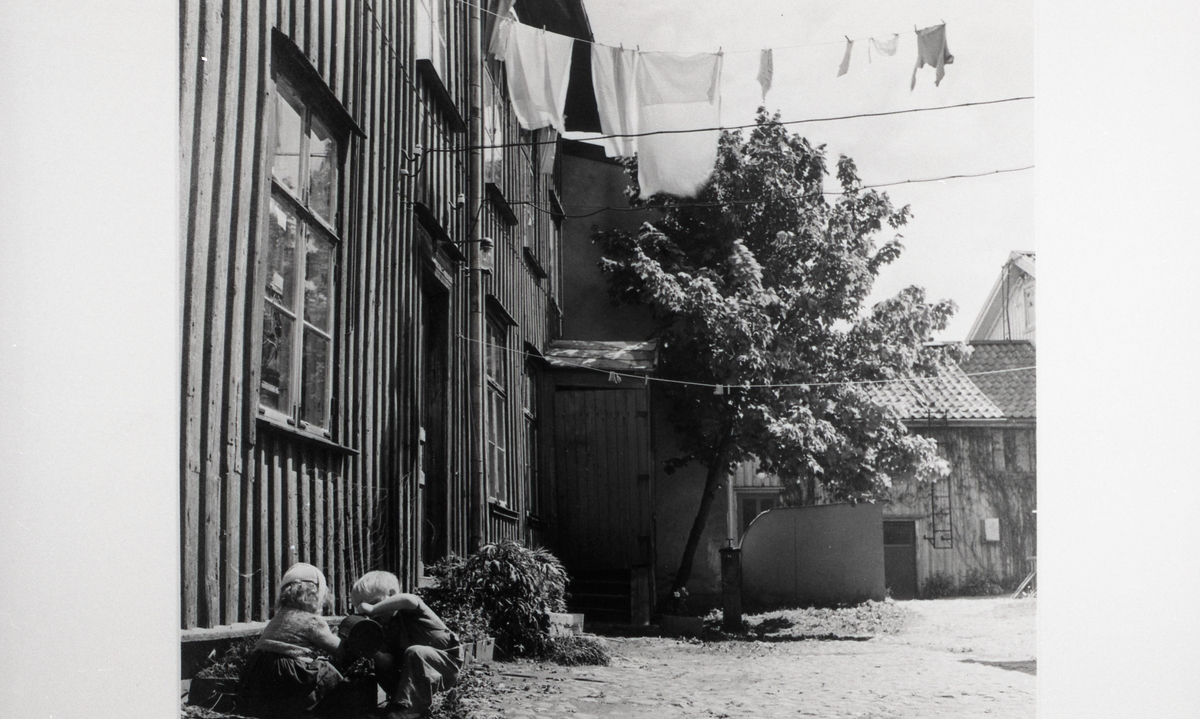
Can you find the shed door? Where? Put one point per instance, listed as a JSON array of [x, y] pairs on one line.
[[602, 463], [900, 558]]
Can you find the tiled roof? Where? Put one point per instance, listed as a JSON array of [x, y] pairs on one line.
[[1015, 393], [960, 393], [608, 356]]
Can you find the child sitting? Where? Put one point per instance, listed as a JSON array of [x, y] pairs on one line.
[[288, 672], [420, 655]]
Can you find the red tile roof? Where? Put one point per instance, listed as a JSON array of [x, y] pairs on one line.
[[991, 385]]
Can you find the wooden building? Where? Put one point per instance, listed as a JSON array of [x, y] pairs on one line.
[[1009, 312], [981, 519], [369, 262]]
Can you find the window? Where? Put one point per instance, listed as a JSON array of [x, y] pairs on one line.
[[297, 324], [531, 441], [750, 505], [497, 412], [1028, 301], [494, 116], [432, 23]]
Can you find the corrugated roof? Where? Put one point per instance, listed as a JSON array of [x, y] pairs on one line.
[[959, 393], [603, 355]]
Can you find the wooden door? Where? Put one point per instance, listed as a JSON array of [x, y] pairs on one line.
[[900, 558], [602, 463]]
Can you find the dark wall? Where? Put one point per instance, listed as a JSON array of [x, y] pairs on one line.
[[821, 555], [590, 182]]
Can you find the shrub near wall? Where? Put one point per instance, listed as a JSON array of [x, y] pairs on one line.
[[512, 586], [975, 583]]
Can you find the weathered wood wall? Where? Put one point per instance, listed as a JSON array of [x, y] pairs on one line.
[[254, 497], [993, 475]]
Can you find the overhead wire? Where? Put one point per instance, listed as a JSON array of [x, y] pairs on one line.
[[831, 118], [709, 385]]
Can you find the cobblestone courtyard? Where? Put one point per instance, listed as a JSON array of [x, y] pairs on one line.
[[955, 658]]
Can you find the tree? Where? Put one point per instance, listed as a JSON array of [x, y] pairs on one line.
[[759, 285]]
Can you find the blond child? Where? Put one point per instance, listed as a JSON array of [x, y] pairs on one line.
[[288, 671], [420, 654]]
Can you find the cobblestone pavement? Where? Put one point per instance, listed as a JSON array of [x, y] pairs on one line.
[[956, 658]]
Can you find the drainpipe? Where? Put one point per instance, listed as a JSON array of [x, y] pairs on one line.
[[477, 521]]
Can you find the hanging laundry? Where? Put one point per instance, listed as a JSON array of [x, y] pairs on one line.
[[932, 50], [613, 80], [547, 149], [845, 66], [884, 47], [677, 92], [614, 378], [495, 21], [538, 64], [766, 69]]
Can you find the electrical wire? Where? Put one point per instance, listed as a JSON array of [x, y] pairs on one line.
[[831, 118], [712, 386], [596, 209]]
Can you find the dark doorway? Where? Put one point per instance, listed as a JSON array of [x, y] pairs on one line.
[[900, 558], [435, 384]]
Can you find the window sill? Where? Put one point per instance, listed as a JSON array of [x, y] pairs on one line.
[[534, 266], [502, 512], [496, 195], [291, 432]]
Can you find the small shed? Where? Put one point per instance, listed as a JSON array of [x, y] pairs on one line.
[[603, 475]]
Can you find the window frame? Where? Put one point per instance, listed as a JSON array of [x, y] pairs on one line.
[[290, 79], [757, 495], [498, 434]]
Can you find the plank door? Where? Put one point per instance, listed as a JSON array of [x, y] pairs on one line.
[[900, 558], [602, 463]]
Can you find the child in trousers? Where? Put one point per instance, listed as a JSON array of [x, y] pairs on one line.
[[420, 655]]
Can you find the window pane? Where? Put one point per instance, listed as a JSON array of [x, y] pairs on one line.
[[281, 256], [322, 171], [318, 280], [314, 407], [289, 124], [424, 30], [276, 360]]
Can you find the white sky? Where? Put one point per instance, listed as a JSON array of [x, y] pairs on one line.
[[962, 230]]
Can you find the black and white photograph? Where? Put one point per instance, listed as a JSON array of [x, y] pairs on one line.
[[582, 359]]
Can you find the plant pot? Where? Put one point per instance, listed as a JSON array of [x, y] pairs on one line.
[[677, 626], [219, 694]]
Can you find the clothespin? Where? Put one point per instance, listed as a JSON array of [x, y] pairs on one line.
[[614, 378]]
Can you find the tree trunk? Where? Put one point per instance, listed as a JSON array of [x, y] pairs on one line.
[[716, 468]]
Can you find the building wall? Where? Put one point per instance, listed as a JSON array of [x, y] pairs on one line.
[[993, 476], [1017, 319], [591, 182], [257, 496], [823, 555]]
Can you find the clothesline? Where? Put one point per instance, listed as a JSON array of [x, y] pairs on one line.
[[839, 41], [713, 386]]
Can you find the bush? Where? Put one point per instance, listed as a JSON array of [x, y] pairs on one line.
[[579, 651], [232, 661], [939, 585], [512, 586], [979, 583]]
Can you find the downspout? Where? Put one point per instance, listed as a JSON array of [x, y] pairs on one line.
[[477, 521]]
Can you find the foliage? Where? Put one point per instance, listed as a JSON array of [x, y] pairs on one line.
[[868, 618], [938, 585], [762, 280], [975, 583], [513, 587], [579, 651], [231, 662]]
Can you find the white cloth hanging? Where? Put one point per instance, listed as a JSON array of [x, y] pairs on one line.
[[613, 78], [766, 70], [677, 92], [932, 50], [884, 47], [538, 65], [845, 66]]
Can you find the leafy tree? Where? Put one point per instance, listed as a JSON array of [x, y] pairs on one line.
[[759, 285]]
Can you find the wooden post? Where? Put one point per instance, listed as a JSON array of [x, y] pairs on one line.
[[731, 588]]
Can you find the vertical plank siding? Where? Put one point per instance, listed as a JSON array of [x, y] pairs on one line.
[[255, 498], [993, 476]]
